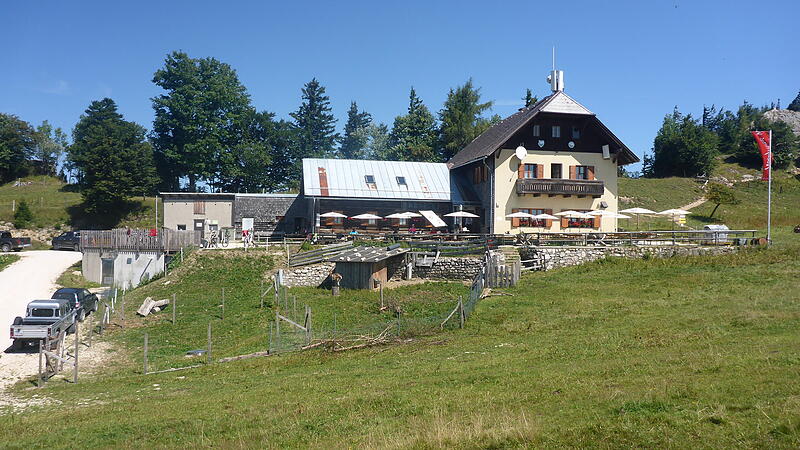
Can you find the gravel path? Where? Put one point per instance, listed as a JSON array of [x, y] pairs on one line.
[[32, 277]]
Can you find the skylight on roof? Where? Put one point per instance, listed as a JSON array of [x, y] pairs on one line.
[[370, 180], [401, 181]]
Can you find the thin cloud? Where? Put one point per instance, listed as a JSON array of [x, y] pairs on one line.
[[60, 88]]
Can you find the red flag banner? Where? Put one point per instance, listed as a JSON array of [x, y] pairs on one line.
[[765, 146]]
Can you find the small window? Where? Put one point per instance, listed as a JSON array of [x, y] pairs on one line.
[[530, 171], [401, 181], [581, 172], [556, 131], [555, 170], [370, 180], [41, 312], [181, 227], [537, 131], [576, 133]]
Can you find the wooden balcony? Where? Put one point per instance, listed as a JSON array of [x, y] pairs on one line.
[[552, 187]]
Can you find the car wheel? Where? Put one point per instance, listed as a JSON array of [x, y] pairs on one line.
[[6, 248]]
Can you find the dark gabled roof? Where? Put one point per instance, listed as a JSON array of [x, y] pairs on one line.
[[367, 254], [491, 139]]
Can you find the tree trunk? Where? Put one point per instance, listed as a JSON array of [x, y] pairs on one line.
[[713, 211], [192, 183]]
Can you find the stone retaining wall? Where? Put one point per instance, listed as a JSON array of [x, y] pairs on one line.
[[446, 268], [311, 275], [555, 257]]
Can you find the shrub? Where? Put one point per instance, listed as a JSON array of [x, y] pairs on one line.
[[23, 216]]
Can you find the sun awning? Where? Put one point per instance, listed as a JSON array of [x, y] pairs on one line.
[[435, 220]]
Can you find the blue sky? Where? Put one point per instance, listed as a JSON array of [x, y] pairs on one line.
[[630, 62]]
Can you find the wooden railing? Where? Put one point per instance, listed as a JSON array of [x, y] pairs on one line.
[[594, 188], [139, 240]]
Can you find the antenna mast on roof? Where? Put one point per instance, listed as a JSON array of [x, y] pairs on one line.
[[556, 77]]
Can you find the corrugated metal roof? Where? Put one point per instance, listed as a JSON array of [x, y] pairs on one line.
[[347, 178], [367, 254]]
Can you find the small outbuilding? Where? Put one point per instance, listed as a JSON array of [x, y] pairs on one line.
[[365, 267]]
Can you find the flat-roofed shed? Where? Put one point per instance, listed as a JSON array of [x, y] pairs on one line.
[[362, 267]]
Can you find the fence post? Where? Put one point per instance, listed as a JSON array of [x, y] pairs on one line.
[[461, 317], [91, 331], [122, 309], [269, 348], [77, 341], [208, 350], [174, 307], [41, 344], [380, 284], [145, 353]]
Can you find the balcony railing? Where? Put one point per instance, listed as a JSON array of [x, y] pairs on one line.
[[539, 186]]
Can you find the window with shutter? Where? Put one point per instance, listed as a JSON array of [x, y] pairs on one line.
[[521, 171], [530, 171], [199, 207]]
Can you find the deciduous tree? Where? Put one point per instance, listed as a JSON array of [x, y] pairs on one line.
[[199, 121], [719, 194], [17, 144]]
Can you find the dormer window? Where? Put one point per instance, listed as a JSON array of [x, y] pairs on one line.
[[401, 181], [370, 180], [556, 131], [537, 131], [576, 133]]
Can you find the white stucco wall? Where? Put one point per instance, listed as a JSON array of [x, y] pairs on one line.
[[181, 212], [507, 199], [130, 268]]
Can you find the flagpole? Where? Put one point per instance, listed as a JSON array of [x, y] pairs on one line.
[[769, 193]]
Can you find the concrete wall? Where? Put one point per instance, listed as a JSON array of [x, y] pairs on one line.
[[507, 199], [181, 212], [130, 268]]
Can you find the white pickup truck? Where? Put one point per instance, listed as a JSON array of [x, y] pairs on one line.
[[43, 319]]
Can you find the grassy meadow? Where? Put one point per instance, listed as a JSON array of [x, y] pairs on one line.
[[7, 259], [644, 353], [56, 204]]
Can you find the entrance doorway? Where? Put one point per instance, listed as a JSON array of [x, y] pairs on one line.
[[200, 225], [107, 272]]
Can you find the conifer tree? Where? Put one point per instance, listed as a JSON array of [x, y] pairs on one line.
[[795, 105], [529, 98], [414, 135], [460, 118], [113, 156], [355, 137], [17, 144], [314, 123]]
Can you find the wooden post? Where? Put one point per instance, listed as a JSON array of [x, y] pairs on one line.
[[275, 288], [308, 326], [41, 345], [122, 309], [461, 317], [294, 305], [223, 303], [269, 348], [77, 341], [145, 353], [174, 308], [208, 350]]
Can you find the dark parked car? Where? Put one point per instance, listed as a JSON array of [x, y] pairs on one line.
[[8, 243], [84, 301], [70, 240]]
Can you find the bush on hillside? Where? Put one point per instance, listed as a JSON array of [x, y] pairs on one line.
[[23, 216]]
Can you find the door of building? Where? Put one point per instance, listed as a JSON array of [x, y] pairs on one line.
[[107, 272], [200, 225]]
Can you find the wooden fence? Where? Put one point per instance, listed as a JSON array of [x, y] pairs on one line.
[[164, 240]]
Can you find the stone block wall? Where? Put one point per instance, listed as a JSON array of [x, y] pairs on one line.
[[447, 268], [555, 257], [312, 275]]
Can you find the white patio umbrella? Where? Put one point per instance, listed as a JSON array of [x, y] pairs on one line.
[[411, 214], [674, 213], [574, 214], [367, 216], [519, 215], [638, 212], [397, 216], [601, 212], [545, 217], [333, 214], [461, 214]]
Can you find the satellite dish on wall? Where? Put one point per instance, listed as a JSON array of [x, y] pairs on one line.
[[521, 152]]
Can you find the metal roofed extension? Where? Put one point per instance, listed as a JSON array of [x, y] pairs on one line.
[[346, 178], [367, 254]]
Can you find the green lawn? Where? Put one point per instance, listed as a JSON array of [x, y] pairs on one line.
[[6, 260], [635, 353]]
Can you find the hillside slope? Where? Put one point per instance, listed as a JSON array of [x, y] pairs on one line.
[[644, 353]]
